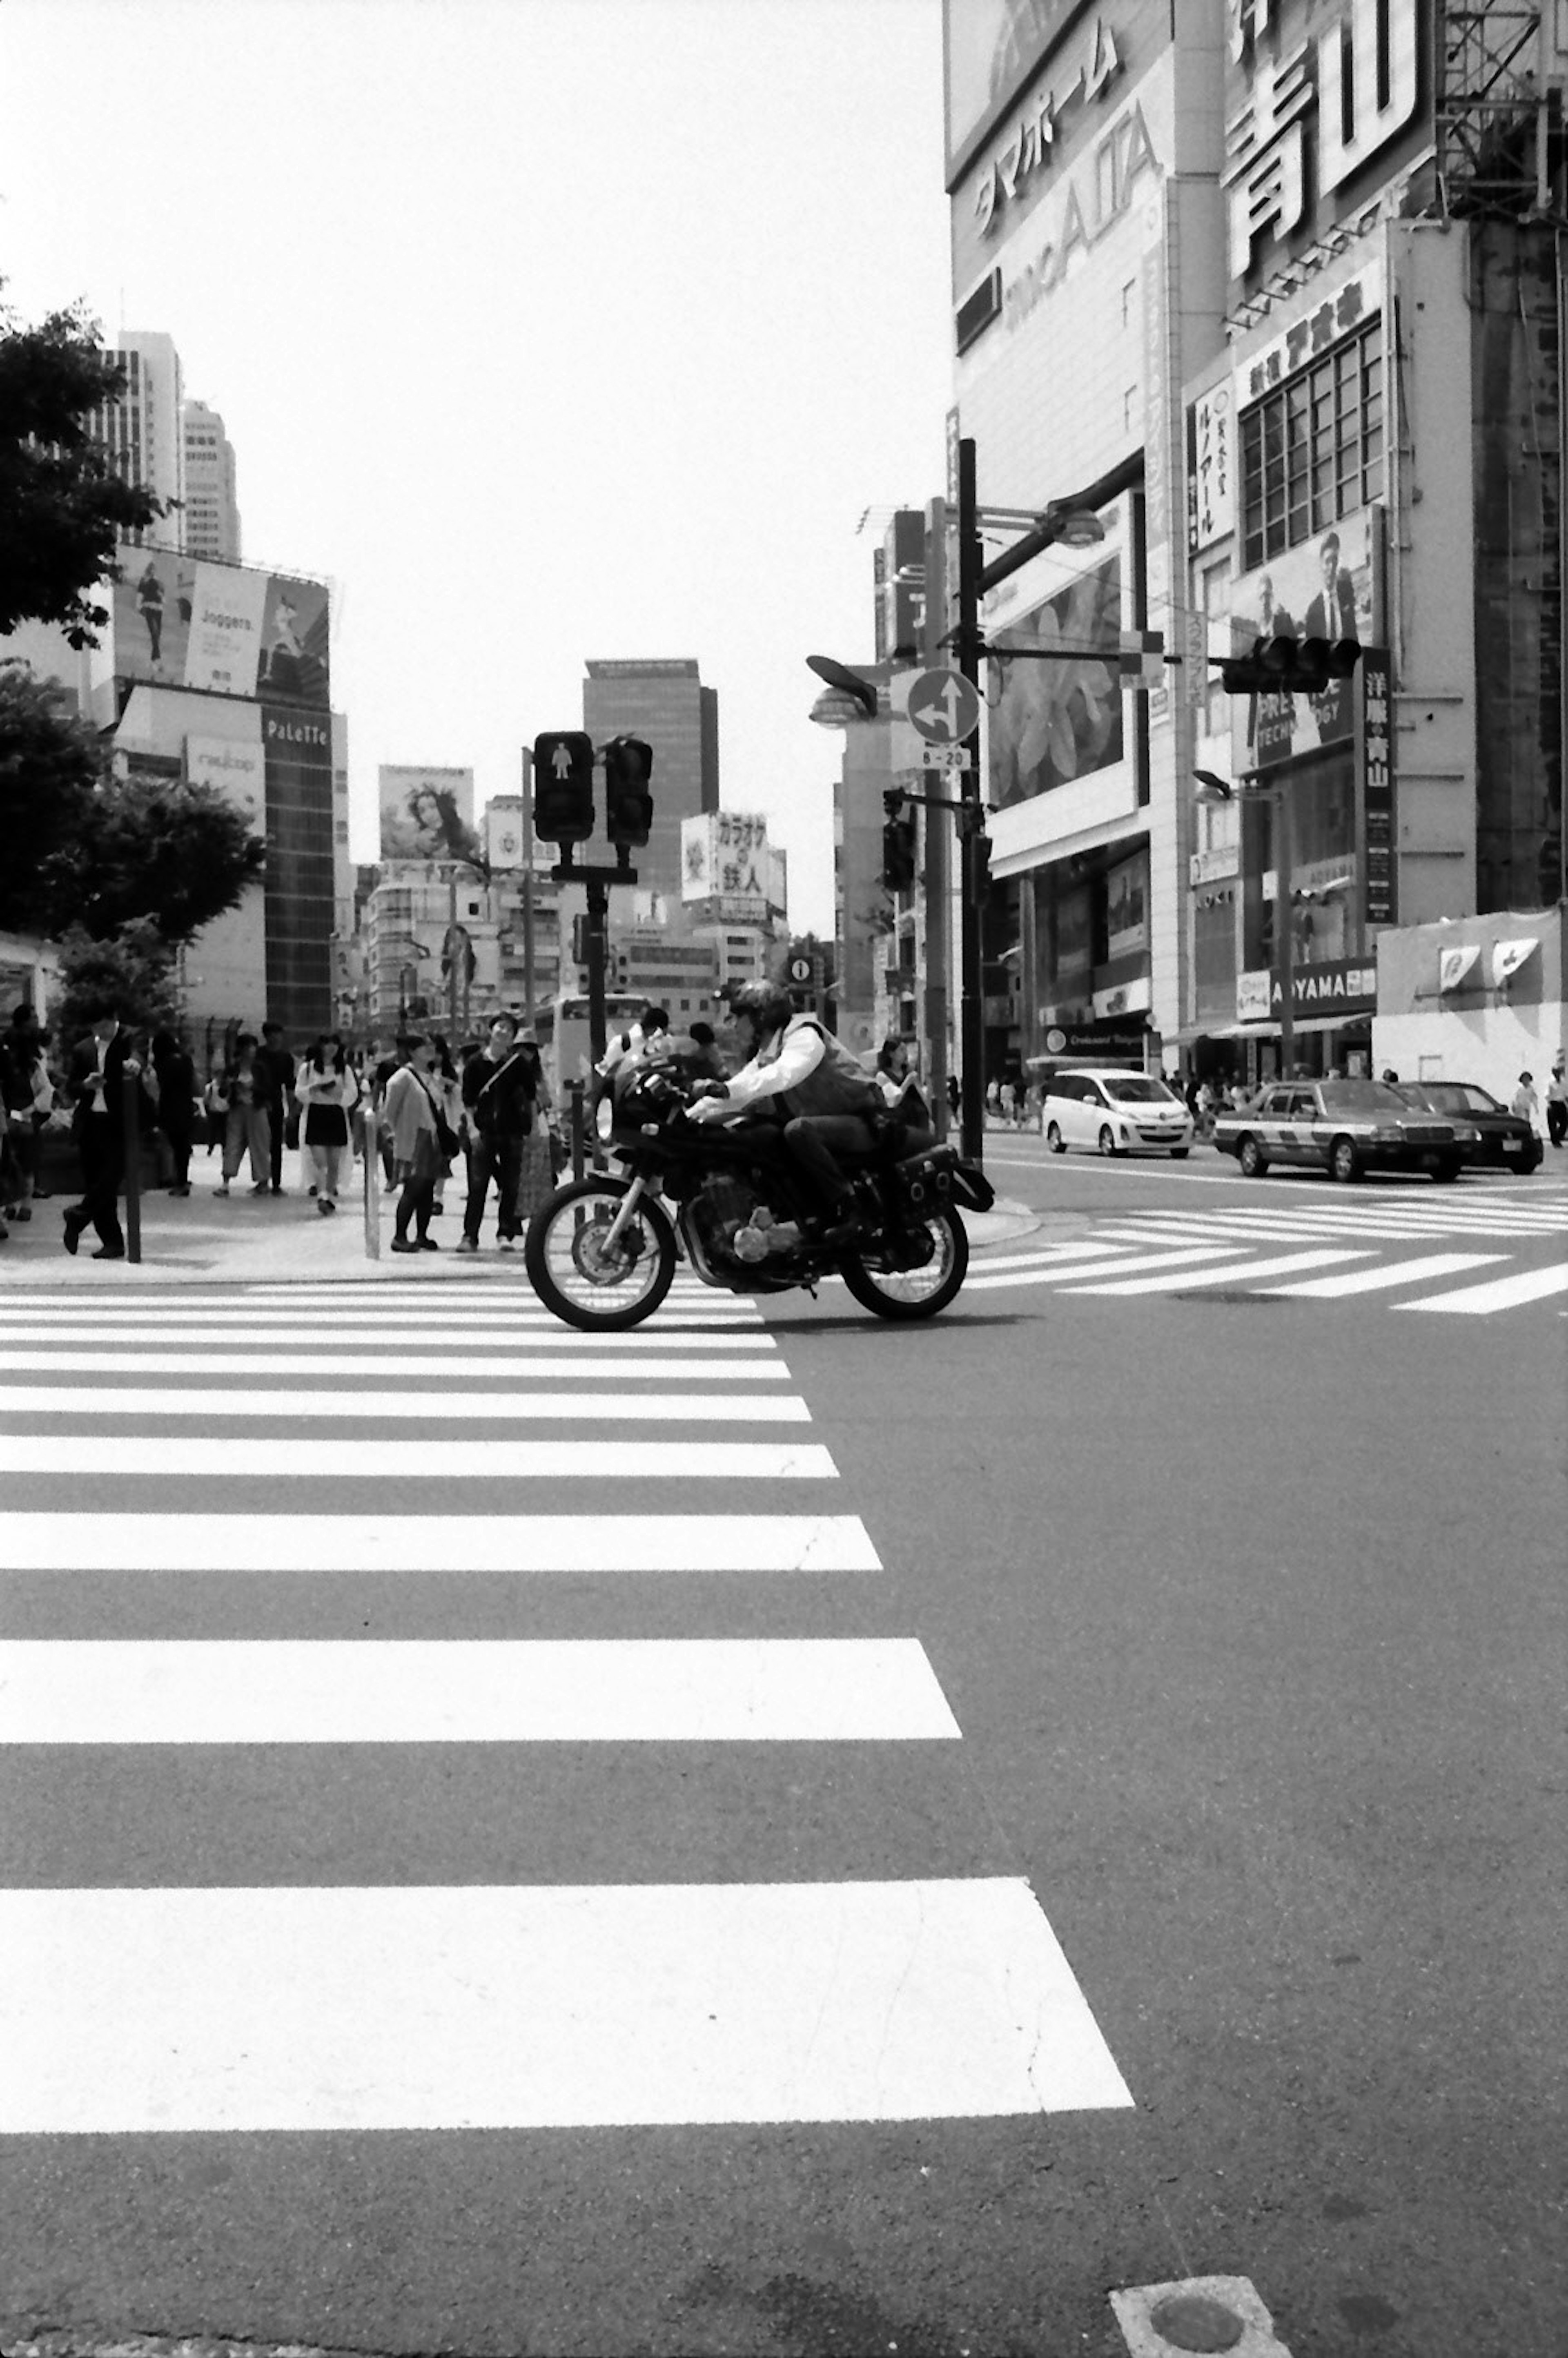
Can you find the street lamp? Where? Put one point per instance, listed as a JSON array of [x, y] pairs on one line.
[[1213, 788]]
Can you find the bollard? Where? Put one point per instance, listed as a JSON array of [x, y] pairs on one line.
[[574, 1090], [131, 1127], [371, 1188]]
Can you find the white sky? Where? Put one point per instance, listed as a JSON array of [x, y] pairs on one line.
[[545, 328]]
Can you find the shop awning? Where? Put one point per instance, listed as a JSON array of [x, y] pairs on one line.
[[1301, 1023], [1508, 956], [1453, 965]]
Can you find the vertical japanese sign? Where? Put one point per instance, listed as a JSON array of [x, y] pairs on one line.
[[1374, 753], [1211, 490]]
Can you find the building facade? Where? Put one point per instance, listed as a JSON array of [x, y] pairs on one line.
[[662, 701], [144, 430], [212, 518]]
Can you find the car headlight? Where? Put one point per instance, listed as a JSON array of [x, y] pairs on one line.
[[1384, 1137]]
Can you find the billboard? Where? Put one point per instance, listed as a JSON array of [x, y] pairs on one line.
[[989, 48], [426, 814], [225, 630], [1060, 719], [725, 858], [236, 769], [1325, 588]]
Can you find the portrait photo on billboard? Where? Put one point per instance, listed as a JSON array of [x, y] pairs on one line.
[[153, 601], [294, 666], [1321, 588], [427, 814], [989, 48], [1052, 722]]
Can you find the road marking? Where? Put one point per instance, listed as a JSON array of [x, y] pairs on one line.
[[586, 1691], [1173, 1280], [128, 2011], [1502, 1293], [1123, 1263], [352, 1542], [265, 1340], [1092, 1248], [264, 1319], [454, 1407], [122, 1456], [1399, 1272], [639, 1365]]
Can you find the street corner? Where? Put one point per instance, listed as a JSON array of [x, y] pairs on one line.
[[1196, 2313], [1004, 1224]]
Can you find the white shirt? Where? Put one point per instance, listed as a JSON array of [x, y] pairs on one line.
[[625, 1044], [801, 1053]]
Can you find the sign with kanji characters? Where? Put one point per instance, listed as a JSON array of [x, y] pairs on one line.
[[1211, 479], [1344, 305], [1374, 748], [725, 858]]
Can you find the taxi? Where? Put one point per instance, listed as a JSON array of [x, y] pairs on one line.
[[1346, 1128]]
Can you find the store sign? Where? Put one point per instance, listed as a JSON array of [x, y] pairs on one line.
[[1220, 860], [1375, 763], [1347, 987], [1211, 476], [1354, 85], [1031, 151], [1093, 200], [1341, 309], [725, 858]]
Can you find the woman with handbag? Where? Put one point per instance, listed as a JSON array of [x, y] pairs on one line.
[[412, 1121], [327, 1090], [537, 1168]]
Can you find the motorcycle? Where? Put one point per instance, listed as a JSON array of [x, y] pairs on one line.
[[601, 1252]]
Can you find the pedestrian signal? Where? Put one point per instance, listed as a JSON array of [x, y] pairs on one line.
[[898, 854], [563, 787], [1279, 667], [628, 805]]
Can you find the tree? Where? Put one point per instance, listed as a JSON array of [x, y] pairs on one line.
[[49, 765], [174, 854], [62, 506], [134, 973]]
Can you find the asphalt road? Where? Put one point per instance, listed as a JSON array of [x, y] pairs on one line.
[[1246, 1605]]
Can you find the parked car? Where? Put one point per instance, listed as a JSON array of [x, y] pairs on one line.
[[1345, 1127], [1113, 1110], [1502, 1138]]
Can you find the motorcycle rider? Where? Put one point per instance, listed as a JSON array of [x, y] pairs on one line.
[[799, 1075]]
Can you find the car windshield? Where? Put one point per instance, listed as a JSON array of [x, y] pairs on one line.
[[1138, 1088], [1362, 1096], [1458, 1097]]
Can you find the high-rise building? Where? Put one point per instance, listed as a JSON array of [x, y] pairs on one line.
[[144, 430], [664, 702], [212, 506]]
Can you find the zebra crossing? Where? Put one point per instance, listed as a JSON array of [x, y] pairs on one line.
[[1307, 1249], [234, 1564]]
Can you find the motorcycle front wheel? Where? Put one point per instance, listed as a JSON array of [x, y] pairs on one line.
[[915, 1293], [584, 1279]]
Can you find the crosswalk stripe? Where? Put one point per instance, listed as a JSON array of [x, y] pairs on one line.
[[465, 1690], [1069, 1275], [287, 2008], [1399, 1273], [519, 1336], [1172, 1281], [453, 1407], [125, 1456], [68, 1542], [642, 1364], [1501, 1294]]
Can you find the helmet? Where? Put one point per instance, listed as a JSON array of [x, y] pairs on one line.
[[767, 1005]]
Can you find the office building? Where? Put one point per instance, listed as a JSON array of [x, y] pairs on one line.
[[144, 430], [212, 502], [664, 702]]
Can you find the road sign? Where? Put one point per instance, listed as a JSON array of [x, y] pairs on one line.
[[945, 757], [944, 707], [800, 969]]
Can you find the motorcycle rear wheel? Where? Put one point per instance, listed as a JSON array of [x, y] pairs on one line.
[[567, 1268], [915, 1293]]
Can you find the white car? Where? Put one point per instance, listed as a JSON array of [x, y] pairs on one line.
[[1114, 1111]]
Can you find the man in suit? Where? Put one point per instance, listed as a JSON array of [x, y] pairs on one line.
[[1331, 614], [98, 1124], [274, 1066]]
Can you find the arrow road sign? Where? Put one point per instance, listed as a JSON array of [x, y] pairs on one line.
[[944, 707]]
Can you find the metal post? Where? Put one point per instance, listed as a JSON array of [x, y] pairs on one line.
[[454, 987], [598, 927], [131, 1125], [939, 842], [971, 955], [1284, 861], [579, 1156], [527, 885], [370, 1140]]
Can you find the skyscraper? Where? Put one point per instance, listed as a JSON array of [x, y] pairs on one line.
[[662, 701], [144, 430], [212, 509]]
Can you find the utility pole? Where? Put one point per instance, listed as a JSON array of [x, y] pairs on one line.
[[972, 1050], [938, 838], [527, 885]]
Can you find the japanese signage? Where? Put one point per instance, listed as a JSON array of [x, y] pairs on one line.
[[227, 630], [725, 858], [1211, 478], [1346, 986], [1375, 749], [1311, 113], [989, 48], [1031, 149], [1324, 588], [1090, 200], [1342, 308]]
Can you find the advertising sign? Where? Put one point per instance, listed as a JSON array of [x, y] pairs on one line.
[[225, 630], [725, 858], [236, 769], [1211, 481], [989, 48], [1323, 588], [1337, 987], [1126, 906], [426, 814], [1375, 749], [1058, 720]]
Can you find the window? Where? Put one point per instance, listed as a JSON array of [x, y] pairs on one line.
[[1312, 451]]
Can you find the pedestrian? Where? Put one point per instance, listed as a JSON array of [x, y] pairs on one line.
[[27, 1095], [276, 1066], [498, 1093], [1526, 1101], [446, 1082], [1005, 1096], [1390, 1078], [98, 1124], [240, 1092], [707, 1062], [174, 1077], [408, 1114], [328, 1091], [955, 1094], [1557, 1103], [537, 1168]]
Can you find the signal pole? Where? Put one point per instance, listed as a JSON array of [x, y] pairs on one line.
[[972, 1050]]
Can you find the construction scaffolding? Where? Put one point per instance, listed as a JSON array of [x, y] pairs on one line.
[[1498, 111]]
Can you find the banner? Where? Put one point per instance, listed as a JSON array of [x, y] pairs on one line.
[[1323, 588], [426, 814], [1059, 719], [224, 630]]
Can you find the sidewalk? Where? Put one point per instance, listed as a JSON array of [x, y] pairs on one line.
[[246, 1240]]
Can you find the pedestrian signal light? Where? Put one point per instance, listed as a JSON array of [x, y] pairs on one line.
[[563, 787], [1279, 667], [981, 870], [898, 854], [628, 805]]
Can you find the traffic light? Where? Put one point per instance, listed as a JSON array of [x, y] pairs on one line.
[[628, 805], [563, 787], [1284, 667], [897, 854]]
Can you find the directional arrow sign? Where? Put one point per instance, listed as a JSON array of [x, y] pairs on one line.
[[944, 707]]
